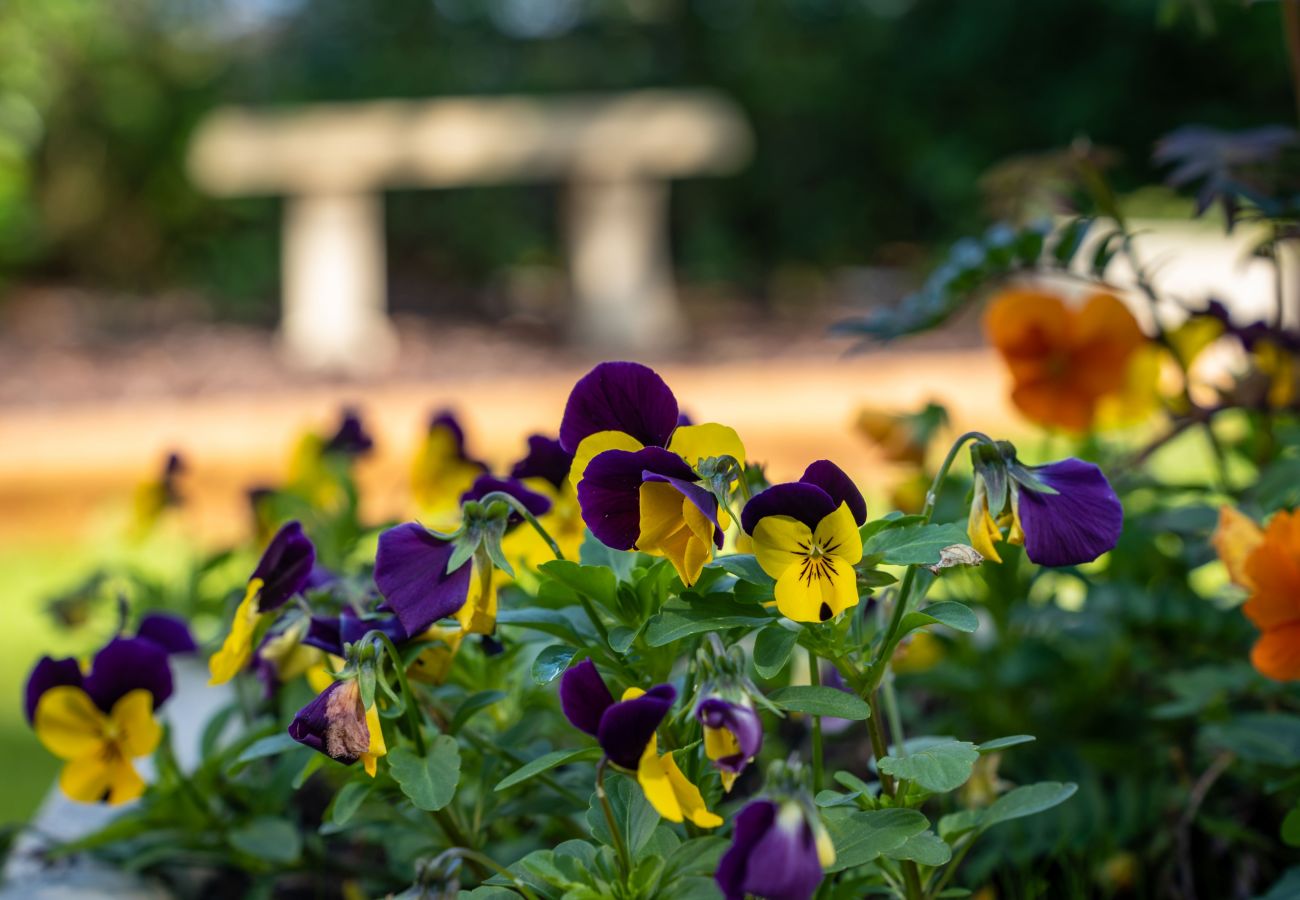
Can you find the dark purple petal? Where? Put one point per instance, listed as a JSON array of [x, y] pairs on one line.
[[411, 572], [619, 396], [546, 459], [331, 633], [167, 631], [49, 673], [835, 482], [125, 665], [741, 721], [351, 438], [783, 864], [627, 726], [334, 723], [445, 418], [319, 577], [703, 499], [1076, 525], [684, 419], [610, 491], [325, 633], [752, 823], [805, 502], [285, 566], [584, 697], [534, 502]]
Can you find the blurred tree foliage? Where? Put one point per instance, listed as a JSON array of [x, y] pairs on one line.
[[874, 118]]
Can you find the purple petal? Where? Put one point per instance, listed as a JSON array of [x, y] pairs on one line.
[[534, 502], [805, 502], [703, 499], [167, 631], [125, 665], [783, 864], [584, 697], [351, 439], [752, 823], [1076, 525], [610, 491], [627, 726], [546, 459], [741, 721], [49, 673], [331, 633], [411, 572], [445, 418], [835, 482], [334, 723], [285, 566], [619, 396]]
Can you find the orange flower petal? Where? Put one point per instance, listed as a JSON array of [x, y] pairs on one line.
[[1276, 654], [1273, 569], [1235, 540]]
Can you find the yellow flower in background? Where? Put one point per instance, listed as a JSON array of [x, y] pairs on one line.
[[442, 470], [98, 747], [919, 652], [1063, 358]]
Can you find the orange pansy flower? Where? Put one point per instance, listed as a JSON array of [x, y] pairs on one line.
[[1064, 357], [1267, 563]]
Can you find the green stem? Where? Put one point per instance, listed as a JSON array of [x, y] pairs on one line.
[[815, 676], [527, 516], [412, 709], [878, 745], [951, 869], [620, 846]]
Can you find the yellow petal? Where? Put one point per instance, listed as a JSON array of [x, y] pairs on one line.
[[652, 775], [378, 747], [319, 677], [799, 599], [696, 442], [234, 654], [124, 782], [720, 743], [689, 799], [138, 732], [817, 591], [779, 543], [980, 527], [479, 614], [837, 535], [595, 444], [69, 724], [87, 779], [632, 693], [1235, 540], [673, 527]]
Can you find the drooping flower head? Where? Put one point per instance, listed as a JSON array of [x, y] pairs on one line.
[[339, 725], [99, 721], [1065, 513], [779, 846], [1064, 358], [442, 469], [644, 481], [425, 576], [1266, 562], [806, 537], [284, 570], [332, 634], [626, 730]]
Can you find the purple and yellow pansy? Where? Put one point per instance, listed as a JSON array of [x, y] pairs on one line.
[[733, 735], [626, 731], [285, 569], [100, 720], [338, 724], [636, 468], [545, 470], [779, 851], [805, 535], [442, 469]]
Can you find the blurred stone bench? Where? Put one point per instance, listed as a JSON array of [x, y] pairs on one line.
[[616, 153]]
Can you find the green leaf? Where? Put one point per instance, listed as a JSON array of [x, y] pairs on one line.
[[348, 800], [955, 615], [428, 781], [939, 768], [772, 650], [267, 838], [698, 856], [1003, 743], [913, 545], [925, 848], [596, 582], [545, 763], [821, 701], [1291, 828], [554, 622], [551, 662], [635, 817], [1027, 801], [860, 837], [678, 620], [1268, 738], [472, 704], [1285, 888], [273, 745], [745, 567]]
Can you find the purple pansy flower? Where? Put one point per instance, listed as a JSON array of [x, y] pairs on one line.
[[532, 501], [733, 735], [337, 724], [776, 853], [623, 729], [818, 493], [546, 460], [167, 631], [619, 396], [123, 665], [285, 568], [332, 633], [351, 438]]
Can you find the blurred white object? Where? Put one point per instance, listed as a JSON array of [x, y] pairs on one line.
[[615, 152]]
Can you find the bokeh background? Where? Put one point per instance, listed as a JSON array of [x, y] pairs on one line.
[[138, 314]]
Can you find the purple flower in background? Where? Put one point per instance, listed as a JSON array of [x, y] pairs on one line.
[[285, 568], [546, 460], [123, 665], [351, 438], [778, 852]]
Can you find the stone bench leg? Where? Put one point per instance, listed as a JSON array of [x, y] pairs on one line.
[[619, 265], [334, 313]]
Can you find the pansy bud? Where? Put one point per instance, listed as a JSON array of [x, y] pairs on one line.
[[733, 735]]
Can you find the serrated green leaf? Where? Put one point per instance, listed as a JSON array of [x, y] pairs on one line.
[[595, 582], [551, 662], [428, 781], [939, 768], [1027, 801], [860, 837], [913, 545], [925, 848], [772, 650], [821, 701], [545, 763]]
